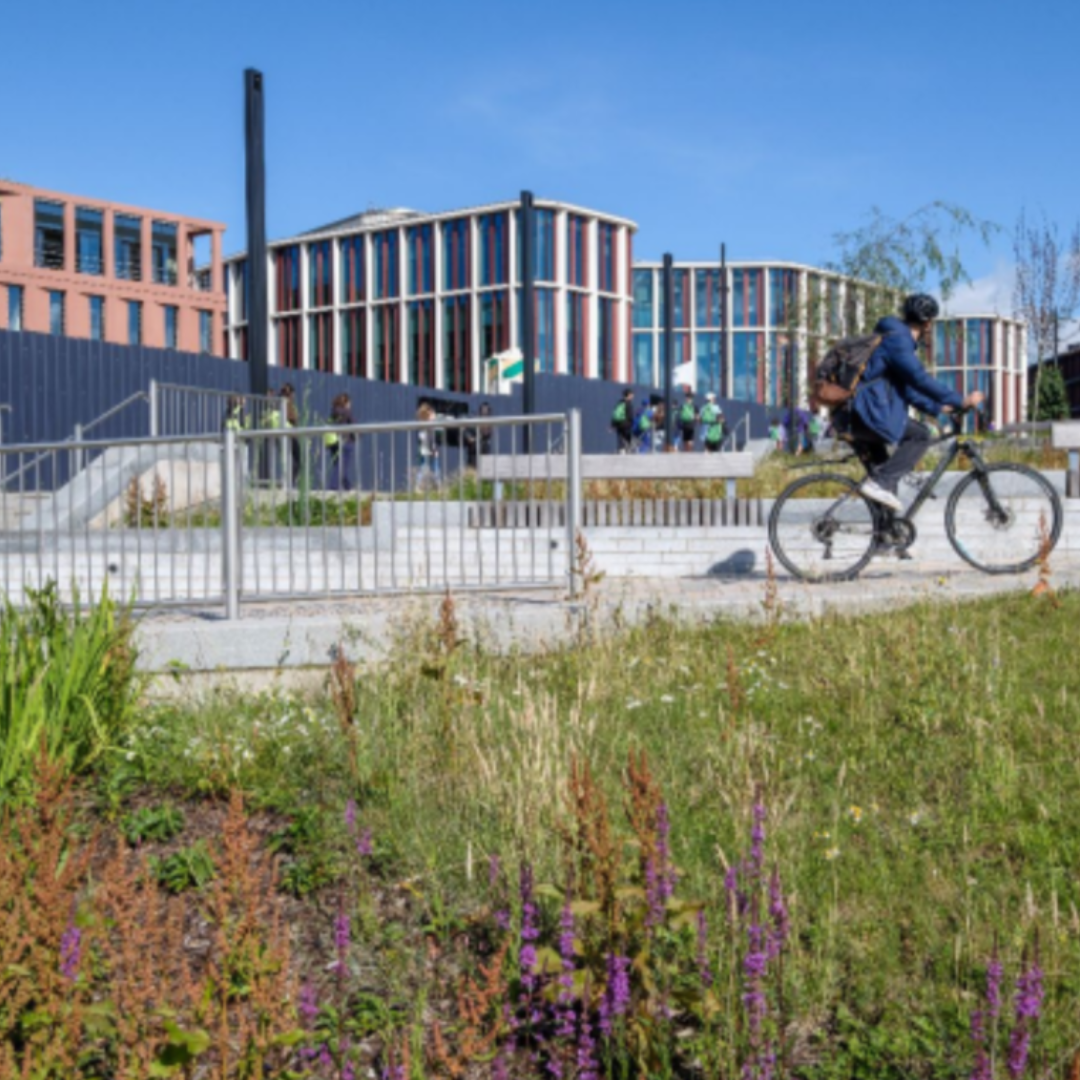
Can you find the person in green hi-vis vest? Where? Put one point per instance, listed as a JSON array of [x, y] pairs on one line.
[[712, 420]]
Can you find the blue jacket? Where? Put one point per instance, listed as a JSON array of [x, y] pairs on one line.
[[895, 379]]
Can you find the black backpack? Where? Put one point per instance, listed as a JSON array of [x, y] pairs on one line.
[[838, 375]]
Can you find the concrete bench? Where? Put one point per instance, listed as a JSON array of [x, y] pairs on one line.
[[655, 512], [735, 466], [1065, 435]]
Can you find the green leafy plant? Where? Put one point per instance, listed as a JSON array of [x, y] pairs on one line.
[[67, 683], [158, 823], [189, 868]]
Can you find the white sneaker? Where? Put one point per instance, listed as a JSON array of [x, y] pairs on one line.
[[876, 492]]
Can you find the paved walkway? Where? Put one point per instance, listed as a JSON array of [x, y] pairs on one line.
[[306, 635]]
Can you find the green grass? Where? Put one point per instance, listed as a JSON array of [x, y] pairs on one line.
[[919, 769]]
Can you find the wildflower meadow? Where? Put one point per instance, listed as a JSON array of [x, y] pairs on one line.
[[837, 848]]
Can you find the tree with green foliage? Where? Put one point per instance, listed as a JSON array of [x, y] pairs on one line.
[[916, 253], [1052, 402]]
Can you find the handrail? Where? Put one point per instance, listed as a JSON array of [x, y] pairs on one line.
[[139, 395]]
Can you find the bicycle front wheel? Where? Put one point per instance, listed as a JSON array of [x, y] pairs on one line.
[[1002, 518], [822, 528]]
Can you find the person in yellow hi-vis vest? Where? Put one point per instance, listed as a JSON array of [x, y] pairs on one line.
[[341, 446]]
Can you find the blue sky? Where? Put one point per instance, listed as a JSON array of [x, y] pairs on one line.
[[770, 125]]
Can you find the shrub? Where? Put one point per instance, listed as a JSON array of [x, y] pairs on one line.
[[67, 683]]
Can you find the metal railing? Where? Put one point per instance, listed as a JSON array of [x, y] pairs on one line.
[[732, 442], [193, 410], [241, 516]]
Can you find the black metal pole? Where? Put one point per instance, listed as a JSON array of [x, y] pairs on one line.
[[724, 387], [669, 344], [258, 313], [526, 236]]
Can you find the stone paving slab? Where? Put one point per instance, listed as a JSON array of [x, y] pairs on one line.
[[308, 634]]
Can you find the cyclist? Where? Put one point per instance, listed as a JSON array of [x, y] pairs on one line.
[[894, 379]]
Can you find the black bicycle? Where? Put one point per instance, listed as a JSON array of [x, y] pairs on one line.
[[1000, 518]]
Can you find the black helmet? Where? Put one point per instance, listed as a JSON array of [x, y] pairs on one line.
[[920, 308]]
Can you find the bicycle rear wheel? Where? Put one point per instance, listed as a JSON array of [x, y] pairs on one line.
[[999, 520], [822, 528]]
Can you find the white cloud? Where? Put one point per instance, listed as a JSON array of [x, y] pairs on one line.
[[989, 295]]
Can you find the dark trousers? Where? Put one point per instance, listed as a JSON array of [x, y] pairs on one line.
[[884, 468], [626, 438]]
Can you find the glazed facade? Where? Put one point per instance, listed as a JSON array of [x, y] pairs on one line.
[[109, 272], [782, 316], [426, 299]]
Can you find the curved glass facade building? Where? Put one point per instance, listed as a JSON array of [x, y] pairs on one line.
[[425, 299], [780, 319]]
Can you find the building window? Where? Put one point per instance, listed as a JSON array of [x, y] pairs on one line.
[[577, 250], [385, 245], [643, 360], [354, 342], [457, 345], [320, 275], [15, 307], [134, 322], [680, 349], [544, 336], [979, 350], [834, 310], [385, 342], [606, 335], [89, 241], [747, 370], [783, 297], [456, 254], [421, 269], [56, 312], [288, 343], [543, 246], [287, 276], [783, 367], [206, 332], [707, 298], [163, 252], [321, 341], [97, 317], [494, 324], [643, 298], [240, 290], [577, 332], [493, 249], [48, 234], [707, 357], [170, 326], [352, 269], [422, 343], [948, 345], [680, 290], [746, 297], [606, 257], [127, 247]]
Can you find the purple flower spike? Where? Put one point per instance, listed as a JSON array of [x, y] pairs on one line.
[[70, 952], [308, 1005], [529, 930], [616, 998], [342, 937], [778, 912], [1027, 1005], [350, 815], [565, 1011], [587, 1065], [757, 841], [994, 974], [364, 846]]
